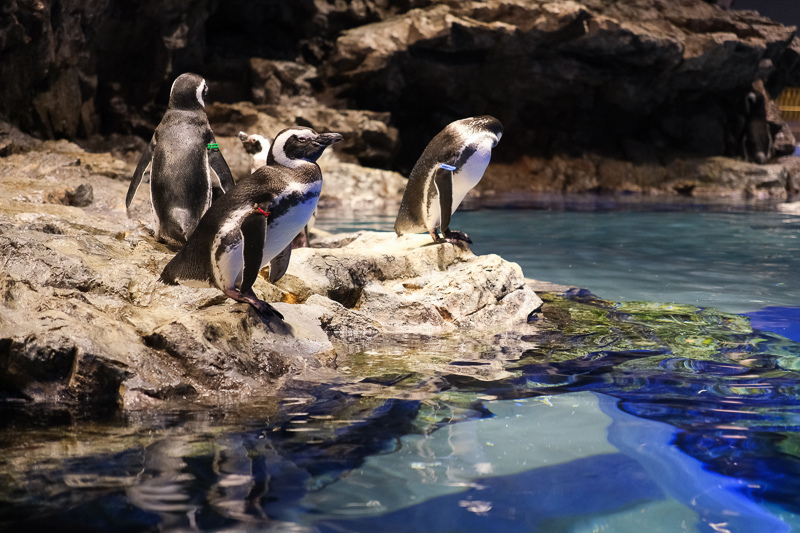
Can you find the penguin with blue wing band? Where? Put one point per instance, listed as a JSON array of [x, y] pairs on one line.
[[452, 164]]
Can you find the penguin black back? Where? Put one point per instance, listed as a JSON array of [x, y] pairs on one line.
[[184, 162]]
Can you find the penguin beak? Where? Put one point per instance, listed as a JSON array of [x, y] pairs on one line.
[[327, 139]]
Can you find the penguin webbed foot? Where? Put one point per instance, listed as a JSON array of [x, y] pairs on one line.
[[450, 236], [453, 236], [250, 297]]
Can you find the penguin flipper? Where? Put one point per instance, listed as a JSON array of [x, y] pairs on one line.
[[145, 163], [254, 233], [279, 264], [443, 179], [220, 167]]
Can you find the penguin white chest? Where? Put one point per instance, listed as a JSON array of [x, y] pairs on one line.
[[471, 172], [293, 209]]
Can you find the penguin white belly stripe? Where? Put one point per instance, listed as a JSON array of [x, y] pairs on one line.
[[284, 229], [468, 176]]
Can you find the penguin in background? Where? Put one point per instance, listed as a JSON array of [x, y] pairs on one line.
[[452, 164], [757, 141], [253, 224], [257, 147], [187, 170]]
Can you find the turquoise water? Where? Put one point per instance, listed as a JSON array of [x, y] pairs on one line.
[[733, 261], [675, 409]]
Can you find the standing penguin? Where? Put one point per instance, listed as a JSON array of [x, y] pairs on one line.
[[452, 164], [254, 223], [258, 148], [187, 170]]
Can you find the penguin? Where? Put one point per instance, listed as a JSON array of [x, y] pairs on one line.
[[253, 224], [452, 164], [257, 147], [187, 170]]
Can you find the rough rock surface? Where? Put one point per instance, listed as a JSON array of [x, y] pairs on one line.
[[408, 284], [634, 79], [565, 76], [721, 177], [84, 320]]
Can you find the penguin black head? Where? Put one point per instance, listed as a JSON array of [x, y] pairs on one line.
[[488, 124], [188, 92], [292, 146]]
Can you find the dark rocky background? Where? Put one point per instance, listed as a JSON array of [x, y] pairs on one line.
[[641, 80]]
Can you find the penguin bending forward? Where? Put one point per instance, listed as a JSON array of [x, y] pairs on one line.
[[187, 170], [452, 164], [253, 224]]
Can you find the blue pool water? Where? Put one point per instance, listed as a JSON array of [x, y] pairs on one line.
[[736, 261], [675, 407]]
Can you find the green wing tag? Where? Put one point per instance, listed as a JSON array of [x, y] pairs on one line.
[[213, 146]]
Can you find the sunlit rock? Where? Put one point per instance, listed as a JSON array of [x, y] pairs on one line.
[[84, 320]]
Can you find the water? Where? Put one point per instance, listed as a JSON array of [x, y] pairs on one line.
[[733, 261], [675, 409]]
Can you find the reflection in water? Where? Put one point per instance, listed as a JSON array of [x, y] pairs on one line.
[[599, 416]]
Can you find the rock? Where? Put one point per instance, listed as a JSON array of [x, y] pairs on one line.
[[722, 176], [699, 177], [596, 76], [368, 138], [407, 284], [273, 81], [357, 187], [84, 321], [14, 141]]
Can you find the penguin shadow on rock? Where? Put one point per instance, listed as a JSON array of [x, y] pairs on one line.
[[257, 147], [187, 171], [449, 167], [254, 223]]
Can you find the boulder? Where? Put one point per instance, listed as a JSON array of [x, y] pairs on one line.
[[84, 321], [565, 77], [410, 285]]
